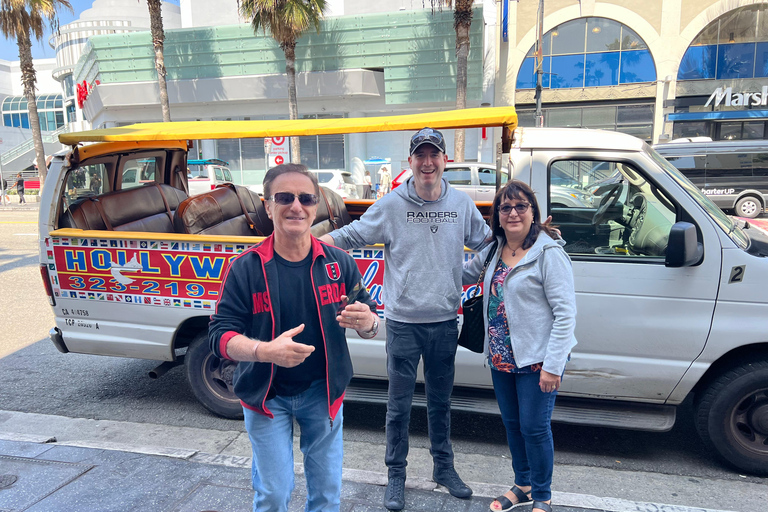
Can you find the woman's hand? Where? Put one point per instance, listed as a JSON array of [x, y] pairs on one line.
[[549, 382]]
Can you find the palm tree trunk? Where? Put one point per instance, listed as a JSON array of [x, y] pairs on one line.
[[158, 38], [28, 80], [293, 102], [462, 19]]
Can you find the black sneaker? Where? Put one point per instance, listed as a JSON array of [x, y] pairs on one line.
[[447, 477], [394, 497]]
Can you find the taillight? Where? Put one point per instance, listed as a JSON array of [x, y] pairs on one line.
[[47, 284], [213, 186]]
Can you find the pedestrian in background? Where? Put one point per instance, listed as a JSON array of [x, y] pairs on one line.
[[282, 316], [385, 180], [529, 333], [424, 226], [20, 188]]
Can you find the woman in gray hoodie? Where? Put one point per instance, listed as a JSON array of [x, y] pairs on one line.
[[530, 306]]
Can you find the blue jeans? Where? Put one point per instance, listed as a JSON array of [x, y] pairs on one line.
[[527, 413], [272, 473], [406, 343]]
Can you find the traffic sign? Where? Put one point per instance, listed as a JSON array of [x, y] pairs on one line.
[[278, 160], [280, 152]]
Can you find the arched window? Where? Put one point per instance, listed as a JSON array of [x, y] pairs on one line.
[[50, 110], [589, 52], [735, 45]]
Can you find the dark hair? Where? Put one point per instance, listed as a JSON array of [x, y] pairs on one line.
[[516, 189], [285, 169]]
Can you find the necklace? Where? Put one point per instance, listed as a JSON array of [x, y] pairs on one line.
[[514, 251]]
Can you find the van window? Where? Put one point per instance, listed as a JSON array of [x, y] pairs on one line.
[[219, 173], [625, 217], [87, 180], [227, 174], [487, 176], [197, 171], [692, 166], [459, 176], [138, 172], [729, 165]]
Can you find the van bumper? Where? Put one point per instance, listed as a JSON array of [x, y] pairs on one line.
[[58, 340]]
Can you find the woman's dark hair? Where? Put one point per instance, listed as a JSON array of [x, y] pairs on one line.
[[516, 189], [285, 169]]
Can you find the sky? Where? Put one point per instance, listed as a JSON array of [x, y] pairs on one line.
[[41, 49]]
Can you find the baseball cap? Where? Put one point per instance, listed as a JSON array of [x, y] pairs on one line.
[[427, 136]]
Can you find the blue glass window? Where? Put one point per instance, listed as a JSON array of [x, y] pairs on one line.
[[602, 69], [526, 78], [7, 120], [761, 60], [735, 60], [637, 66], [16, 120], [24, 120], [567, 71], [698, 62]]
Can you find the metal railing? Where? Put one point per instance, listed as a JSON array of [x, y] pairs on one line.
[[27, 145]]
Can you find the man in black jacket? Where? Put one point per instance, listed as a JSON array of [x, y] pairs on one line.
[[282, 315], [20, 187]]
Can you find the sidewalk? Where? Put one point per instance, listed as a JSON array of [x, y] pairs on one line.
[[105, 466], [14, 204]]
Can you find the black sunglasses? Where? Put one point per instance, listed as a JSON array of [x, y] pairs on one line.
[[286, 198], [427, 134], [520, 208]]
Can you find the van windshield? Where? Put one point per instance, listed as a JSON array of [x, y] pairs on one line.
[[725, 222]]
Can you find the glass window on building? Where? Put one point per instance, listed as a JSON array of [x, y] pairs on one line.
[[589, 52], [636, 120], [323, 151], [734, 46], [16, 113]]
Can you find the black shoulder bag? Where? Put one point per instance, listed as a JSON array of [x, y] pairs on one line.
[[472, 335]]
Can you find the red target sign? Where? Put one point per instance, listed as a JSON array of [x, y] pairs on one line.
[[279, 152]]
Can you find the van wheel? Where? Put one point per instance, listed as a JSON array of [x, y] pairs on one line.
[[211, 379], [748, 207], [732, 416]]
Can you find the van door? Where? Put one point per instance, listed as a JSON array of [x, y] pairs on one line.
[[639, 324]]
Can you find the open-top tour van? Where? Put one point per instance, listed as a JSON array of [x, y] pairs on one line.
[[671, 291]]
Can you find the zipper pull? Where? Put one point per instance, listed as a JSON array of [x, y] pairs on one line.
[[330, 420]]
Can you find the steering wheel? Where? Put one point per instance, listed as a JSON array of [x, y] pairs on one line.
[[609, 200]]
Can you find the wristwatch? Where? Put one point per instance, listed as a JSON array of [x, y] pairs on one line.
[[374, 330]]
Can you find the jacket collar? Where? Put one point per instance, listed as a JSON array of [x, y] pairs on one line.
[[267, 248]]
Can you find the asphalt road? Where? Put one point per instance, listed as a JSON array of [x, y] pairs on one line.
[[36, 378]]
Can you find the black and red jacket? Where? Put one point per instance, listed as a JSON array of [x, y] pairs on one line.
[[249, 304]]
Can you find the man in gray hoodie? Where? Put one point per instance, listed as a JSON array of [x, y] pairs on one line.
[[424, 225]]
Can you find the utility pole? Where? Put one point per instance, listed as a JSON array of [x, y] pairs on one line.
[[539, 64]]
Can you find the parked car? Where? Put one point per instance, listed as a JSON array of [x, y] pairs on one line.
[[205, 175], [339, 181], [670, 291]]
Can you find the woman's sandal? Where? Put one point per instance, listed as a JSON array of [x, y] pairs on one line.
[[542, 505], [507, 505]]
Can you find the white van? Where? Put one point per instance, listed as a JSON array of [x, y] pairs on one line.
[[670, 291]]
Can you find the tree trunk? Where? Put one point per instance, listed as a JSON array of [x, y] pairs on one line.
[[293, 102], [28, 80], [462, 20], [158, 38]]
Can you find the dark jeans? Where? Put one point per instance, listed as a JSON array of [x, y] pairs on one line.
[[21, 195], [436, 344], [527, 413]]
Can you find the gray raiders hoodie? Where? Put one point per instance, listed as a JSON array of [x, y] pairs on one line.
[[423, 249]]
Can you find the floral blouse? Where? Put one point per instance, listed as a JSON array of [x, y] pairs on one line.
[[500, 354]]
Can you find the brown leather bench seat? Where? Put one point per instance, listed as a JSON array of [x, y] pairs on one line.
[[331, 213], [222, 211], [147, 208]]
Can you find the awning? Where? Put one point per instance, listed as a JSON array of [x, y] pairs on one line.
[[718, 116]]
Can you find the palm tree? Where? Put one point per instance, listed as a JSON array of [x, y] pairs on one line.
[[22, 19], [462, 20], [158, 39], [285, 20]]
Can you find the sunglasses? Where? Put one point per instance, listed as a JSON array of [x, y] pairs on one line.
[[520, 208], [286, 198], [427, 134]]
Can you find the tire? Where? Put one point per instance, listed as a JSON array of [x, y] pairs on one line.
[[748, 207], [211, 379], [732, 416]]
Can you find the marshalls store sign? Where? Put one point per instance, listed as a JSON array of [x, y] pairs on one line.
[[725, 96]]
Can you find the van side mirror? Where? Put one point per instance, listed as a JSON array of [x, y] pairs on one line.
[[683, 248]]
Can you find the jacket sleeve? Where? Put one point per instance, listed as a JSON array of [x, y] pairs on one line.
[[352, 276], [370, 229], [473, 267], [557, 277], [232, 312], [479, 234]]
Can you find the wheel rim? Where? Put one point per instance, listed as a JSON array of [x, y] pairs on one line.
[[748, 208], [749, 421], [218, 377]]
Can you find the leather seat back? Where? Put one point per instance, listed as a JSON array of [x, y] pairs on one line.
[[331, 213], [219, 212]]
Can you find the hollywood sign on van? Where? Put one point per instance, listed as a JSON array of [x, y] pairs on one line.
[[738, 99]]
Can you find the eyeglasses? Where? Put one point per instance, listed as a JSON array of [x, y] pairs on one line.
[[428, 135], [286, 198], [520, 208]]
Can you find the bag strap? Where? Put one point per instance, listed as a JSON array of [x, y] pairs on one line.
[[485, 266], [248, 218]]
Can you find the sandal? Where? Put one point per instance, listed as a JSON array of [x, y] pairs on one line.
[[507, 505], [542, 505]]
